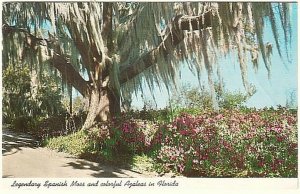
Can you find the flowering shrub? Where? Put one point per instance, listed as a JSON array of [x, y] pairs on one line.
[[230, 143], [125, 135], [131, 135]]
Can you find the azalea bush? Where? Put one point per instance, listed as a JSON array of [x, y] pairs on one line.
[[250, 143], [125, 134], [229, 143]]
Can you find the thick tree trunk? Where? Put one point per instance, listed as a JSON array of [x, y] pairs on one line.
[[104, 104], [104, 100]]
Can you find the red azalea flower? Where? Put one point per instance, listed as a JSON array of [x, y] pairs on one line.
[[184, 132], [196, 130]]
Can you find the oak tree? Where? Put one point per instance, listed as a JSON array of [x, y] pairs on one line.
[[105, 49]]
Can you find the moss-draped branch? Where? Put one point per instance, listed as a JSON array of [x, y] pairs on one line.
[[61, 63], [174, 37], [129, 71]]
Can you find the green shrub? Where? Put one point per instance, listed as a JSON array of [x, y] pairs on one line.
[[57, 125], [23, 123], [229, 100], [76, 144]]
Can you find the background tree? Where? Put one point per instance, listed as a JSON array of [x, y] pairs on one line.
[[104, 50], [199, 98], [26, 100]]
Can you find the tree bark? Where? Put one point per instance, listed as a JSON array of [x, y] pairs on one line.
[[103, 105], [107, 35], [93, 110]]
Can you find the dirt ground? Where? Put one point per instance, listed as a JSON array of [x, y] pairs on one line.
[[22, 158]]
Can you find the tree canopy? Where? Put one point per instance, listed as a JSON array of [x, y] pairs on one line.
[[114, 45]]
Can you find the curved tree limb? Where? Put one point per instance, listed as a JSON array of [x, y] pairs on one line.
[[70, 74], [66, 69], [174, 37]]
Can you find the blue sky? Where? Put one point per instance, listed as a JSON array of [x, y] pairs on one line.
[[271, 91]]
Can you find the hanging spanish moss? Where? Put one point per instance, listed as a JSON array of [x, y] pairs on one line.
[[149, 41]]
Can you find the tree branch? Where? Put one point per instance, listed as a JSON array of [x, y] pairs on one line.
[[70, 74], [174, 37], [106, 32], [66, 69]]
